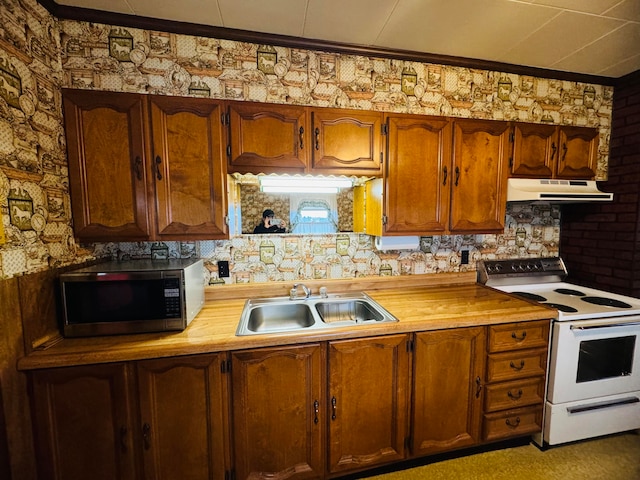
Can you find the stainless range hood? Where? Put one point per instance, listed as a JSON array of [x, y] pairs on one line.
[[555, 191]]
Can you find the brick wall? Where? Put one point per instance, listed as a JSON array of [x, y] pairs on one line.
[[600, 243]]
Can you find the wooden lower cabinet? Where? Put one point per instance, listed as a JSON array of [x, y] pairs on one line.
[[448, 370], [515, 379], [369, 401], [279, 412], [87, 422]]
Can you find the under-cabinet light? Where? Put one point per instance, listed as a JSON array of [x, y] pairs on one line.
[[303, 184], [298, 189]]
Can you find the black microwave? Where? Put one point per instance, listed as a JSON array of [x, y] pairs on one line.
[[132, 296]]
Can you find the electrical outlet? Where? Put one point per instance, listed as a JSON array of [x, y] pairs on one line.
[[223, 268], [465, 257]]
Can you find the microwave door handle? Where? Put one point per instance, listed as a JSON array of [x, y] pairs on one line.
[[608, 325]]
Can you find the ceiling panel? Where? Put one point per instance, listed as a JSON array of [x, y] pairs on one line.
[[592, 37]]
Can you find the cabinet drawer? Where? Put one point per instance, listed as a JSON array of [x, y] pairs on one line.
[[513, 423], [509, 395], [519, 364], [516, 336]]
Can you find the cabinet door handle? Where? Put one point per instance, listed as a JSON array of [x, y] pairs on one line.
[[123, 439], [516, 396], [457, 176], [137, 165], [158, 172], [517, 338], [564, 151], [514, 424], [554, 149], [146, 436], [317, 132], [444, 179], [516, 367], [316, 409], [301, 138], [333, 408], [478, 387]]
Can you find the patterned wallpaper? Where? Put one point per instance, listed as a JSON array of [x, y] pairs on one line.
[[39, 55]]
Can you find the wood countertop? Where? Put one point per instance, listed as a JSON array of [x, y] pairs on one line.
[[418, 308]]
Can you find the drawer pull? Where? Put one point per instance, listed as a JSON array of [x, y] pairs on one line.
[[518, 396], [513, 425], [516, 367], [517, 338]]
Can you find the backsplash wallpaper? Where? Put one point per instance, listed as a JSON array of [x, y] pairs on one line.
[[40, 54]]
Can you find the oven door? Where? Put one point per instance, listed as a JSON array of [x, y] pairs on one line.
[[594, 358]]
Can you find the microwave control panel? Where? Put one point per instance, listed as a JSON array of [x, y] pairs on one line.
[[172, 301]]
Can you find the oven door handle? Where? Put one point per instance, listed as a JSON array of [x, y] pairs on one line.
[[605, 325], [615, 403]]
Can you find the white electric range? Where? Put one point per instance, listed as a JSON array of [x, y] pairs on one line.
[[593, 383]]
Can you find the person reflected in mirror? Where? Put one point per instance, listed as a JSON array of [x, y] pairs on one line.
[[270, 224]]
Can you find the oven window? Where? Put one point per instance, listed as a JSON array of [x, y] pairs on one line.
[[605, 358]]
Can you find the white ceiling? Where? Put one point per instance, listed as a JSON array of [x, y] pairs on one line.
[[594, 37]]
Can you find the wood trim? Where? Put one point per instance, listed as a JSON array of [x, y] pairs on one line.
[[342, 285], [147, 23]]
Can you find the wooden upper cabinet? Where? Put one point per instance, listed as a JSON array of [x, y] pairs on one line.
[[188, 167], [418, 175], [479, 176], [346, 142], [534, 150], [279, 412], [447, 389], [265, 138], [578, 151], [107, 164], [183, 417], [369, 402], [549, 151]]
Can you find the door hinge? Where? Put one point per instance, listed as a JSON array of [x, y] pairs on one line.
[[226, 220], [407, 443], [225, 366], [229, 150], [384, 129], [381, 158], [384, 219], [510, 162]]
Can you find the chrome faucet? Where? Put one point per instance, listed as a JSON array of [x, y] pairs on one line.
[[293, 293]]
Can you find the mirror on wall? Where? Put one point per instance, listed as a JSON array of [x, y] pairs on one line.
[[304, 213]]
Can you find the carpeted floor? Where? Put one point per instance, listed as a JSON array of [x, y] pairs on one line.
[[615, 457]]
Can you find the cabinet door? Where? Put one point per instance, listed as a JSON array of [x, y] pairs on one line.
[[418, 175], [578, 150], [188, 168], [368, 396], [183, 417], [107, 164], [478, 195], [534, 150], [278, 412], [84, 424], [447, 404], [267, 138], [346, 142]]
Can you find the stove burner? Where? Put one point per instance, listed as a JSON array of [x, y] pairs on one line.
[[569, 291], [562, 308], [530, 296], [607, 302]]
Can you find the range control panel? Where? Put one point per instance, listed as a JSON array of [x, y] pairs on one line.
[[522, 270]]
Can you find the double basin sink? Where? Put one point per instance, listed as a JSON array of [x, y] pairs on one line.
[[281, 314]]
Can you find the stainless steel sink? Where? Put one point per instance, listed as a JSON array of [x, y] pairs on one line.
[[280, 314]]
